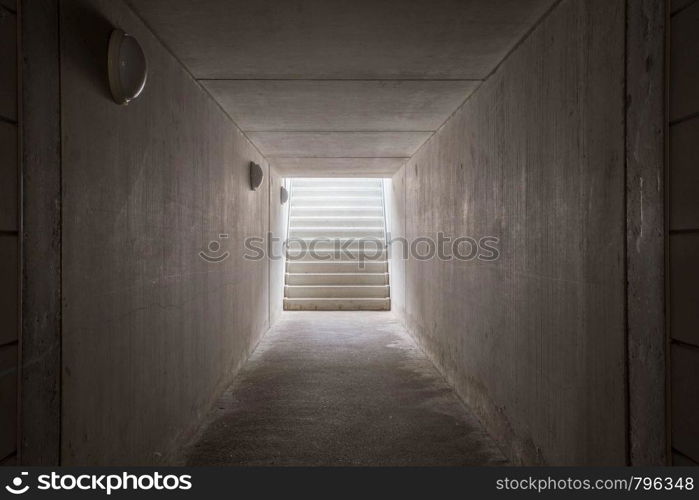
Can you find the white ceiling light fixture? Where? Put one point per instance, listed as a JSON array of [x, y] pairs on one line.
[[127, 67]]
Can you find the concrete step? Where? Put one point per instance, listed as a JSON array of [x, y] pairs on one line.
[[336, 210], [338, 201], [336, 232], [337, 304], [337, 266], [336, 221], [329, 256], [337, 190], [335, 182], [337, 279], [340, 291], [370, 246]]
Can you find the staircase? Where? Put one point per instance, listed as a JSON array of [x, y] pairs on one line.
[[343, 222]]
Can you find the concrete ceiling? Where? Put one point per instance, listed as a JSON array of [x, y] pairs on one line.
[[339, 144], [316, 105], [321, 85]]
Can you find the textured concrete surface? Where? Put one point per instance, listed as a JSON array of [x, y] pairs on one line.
[[535, 341], [321, 66], [684, 236], [337, 167], [336, 39], [278, 216], [8, 56], [40, 404], [341, 388], [684, 178], [685, 400], [374, 108], [9, 171], [8, 399], [339, 144], [684, 73], [396, 204], [645, 230], [677, 5], [9, 238], [146, 188], [340, 105]]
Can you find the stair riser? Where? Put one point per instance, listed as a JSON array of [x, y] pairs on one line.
[[306, 233], [335, 256], [337, 304], [339, 182], [342, 191], [337, 279], [319, 291], [371, 249], [337, 267], [330, 222], [336, 211], [340, 201]]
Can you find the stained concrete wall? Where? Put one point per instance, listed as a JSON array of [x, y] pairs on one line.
[[645, 230], [683, 207], [40, 401], [535, 341], [9, 232], [151, 332]]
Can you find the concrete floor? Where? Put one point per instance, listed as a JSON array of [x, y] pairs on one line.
[[341, 388]]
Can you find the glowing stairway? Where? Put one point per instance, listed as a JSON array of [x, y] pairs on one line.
[[336, 257]]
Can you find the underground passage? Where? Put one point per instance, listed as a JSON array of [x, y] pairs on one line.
[[349, 233]]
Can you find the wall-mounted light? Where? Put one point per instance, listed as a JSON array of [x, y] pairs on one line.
[[127, 67], [256, 175], [284, 195]]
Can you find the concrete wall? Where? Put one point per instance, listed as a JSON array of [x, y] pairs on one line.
[[645, 230], [9, 227], [395, 202], [151, 332], [40, 401], [684, 231], [278, 217], [535, 341]]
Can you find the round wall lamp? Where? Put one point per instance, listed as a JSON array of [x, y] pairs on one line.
[[256, 175], [284, 195], [127, 67]]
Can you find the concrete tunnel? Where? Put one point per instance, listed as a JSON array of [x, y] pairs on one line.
[[526, 171]]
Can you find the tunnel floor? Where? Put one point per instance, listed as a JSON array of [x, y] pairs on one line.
[[341, 388]]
